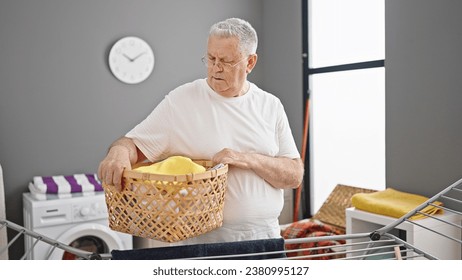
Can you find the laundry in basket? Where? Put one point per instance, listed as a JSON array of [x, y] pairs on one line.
[[174, 165]]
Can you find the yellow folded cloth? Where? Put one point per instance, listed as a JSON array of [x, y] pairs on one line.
[[175, 165], [393, 203]]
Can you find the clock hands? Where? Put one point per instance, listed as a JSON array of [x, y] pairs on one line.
[[135, 58], [127, 57]]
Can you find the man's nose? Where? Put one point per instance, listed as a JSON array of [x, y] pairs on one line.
[[217, 66]]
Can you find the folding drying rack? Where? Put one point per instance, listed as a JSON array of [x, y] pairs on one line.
[[378, 244]]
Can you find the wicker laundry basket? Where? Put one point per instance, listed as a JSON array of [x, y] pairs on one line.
[[332, 211], [168, 208]]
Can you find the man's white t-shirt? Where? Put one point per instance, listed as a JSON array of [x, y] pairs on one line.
[[196, 122]]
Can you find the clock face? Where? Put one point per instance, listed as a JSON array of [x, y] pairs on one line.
[[131, 60]]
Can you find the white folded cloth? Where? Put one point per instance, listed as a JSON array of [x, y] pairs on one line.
[[44, 196]]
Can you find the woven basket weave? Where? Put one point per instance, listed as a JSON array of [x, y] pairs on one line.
[[332, 211], [168, 208]]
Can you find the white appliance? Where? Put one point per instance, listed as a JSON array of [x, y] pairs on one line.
[[79, 221]]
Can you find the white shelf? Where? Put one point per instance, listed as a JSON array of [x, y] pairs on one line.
[[358, 221]]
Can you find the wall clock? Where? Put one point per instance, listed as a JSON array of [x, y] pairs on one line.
[[131, 60]]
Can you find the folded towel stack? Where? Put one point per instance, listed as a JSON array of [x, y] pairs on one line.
[[393, 203], [65, 186]]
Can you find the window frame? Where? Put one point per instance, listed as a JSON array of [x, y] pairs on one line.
[[307, 73]]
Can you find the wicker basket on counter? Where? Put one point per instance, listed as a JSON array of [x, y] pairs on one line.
[[332, 211], [168, 208]]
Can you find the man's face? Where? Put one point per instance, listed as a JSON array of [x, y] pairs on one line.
[[228, 68]]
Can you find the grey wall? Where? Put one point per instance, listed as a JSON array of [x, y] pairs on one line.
[[281, 61], [60, 107], [281, 58], [423, 94]]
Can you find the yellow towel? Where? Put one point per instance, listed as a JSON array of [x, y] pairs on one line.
[[393, 203], [175, 165]]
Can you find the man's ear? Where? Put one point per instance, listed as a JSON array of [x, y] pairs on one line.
[[251, 62]]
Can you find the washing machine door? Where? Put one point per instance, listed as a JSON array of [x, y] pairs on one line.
[[91, 237]]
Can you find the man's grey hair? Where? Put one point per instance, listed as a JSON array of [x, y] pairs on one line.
[[236, 27]]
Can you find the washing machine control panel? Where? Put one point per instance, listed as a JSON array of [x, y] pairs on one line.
[[88, 211], [60, 211]]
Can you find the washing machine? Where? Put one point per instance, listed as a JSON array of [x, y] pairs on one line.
[[80, 221]]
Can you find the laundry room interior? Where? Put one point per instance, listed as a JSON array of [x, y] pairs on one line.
[[61, 106]]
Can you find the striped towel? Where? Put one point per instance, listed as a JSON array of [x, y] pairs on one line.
[[77, 183]]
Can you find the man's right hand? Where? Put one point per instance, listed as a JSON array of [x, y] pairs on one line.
[[113, 165]]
